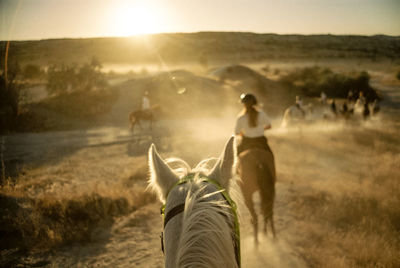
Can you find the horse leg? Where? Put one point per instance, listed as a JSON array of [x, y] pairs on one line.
[[265, 226], [132, 122], [254, 219], [271, 219], [132, 127], [267, 212]]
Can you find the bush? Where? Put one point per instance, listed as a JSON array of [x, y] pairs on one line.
[[311, 81], [85, 105], [64, 78], [32, 71], [60, 78]]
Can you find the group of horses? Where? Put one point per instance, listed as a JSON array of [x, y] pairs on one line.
[[329, 111], [201, 226], [293, 115]]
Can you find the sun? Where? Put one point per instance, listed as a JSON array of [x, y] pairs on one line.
[[136, 19]]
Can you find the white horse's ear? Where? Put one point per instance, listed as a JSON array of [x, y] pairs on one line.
[[222, 171], [162, 178]]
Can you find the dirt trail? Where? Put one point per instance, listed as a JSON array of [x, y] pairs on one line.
[[270, 252]]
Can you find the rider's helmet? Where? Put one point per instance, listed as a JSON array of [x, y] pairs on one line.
[[248, 98]]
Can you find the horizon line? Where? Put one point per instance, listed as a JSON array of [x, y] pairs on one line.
[[196, 32]]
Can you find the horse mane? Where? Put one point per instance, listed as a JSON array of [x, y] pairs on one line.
[[205, 233]]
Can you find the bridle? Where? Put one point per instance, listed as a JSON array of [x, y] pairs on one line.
[[181, 207]]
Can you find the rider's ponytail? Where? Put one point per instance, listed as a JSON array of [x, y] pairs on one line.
[[249, 101], [252, 113]]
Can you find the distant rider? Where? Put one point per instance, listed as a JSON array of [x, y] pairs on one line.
[[145, 101]]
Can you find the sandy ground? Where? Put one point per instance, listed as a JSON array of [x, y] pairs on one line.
[[110, 153]]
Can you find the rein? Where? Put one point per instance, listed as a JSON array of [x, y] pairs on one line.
[[181, 207]]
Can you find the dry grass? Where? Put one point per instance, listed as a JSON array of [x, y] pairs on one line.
[[51, 206], [345, 201], [50, 221]]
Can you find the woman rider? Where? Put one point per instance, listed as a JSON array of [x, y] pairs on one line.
[[251, 124]]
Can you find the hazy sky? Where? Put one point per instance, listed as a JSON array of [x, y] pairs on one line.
[[41, 19]]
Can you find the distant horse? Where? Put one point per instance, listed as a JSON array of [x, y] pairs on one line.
[[364, 109], [136, 116], [359, 106], [200, 222], [374, 107], [347, 111], [256, 168], [294, 115]]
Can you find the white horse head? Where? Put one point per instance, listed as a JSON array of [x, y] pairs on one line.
[[200, 224]]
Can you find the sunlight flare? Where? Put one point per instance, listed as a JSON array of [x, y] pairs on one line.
[[136, 18]]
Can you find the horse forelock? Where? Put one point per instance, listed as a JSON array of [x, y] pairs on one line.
[[206, 237]]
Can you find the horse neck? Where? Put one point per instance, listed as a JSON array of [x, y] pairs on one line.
[[200, 236]]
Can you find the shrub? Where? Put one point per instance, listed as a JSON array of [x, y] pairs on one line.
[[311, 81], [64, 78], [60, 78], [32, 71], [86, 105]]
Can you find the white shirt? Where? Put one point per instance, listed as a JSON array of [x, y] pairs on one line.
[[242, 125], [145, 103]]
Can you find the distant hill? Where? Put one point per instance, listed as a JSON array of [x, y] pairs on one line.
[[203, 47]]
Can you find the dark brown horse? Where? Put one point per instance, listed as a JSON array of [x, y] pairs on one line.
[[256, 169], [135, 117]]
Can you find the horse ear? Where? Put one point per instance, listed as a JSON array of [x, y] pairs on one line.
[[222, 171], [162, 178]]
